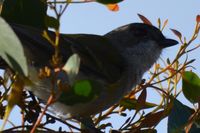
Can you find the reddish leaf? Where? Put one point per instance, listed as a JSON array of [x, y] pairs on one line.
[[152, 119], [144, 19], [113, 7], [177, 33], [198, 18]]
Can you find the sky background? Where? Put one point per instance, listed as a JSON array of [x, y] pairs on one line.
[[93, 18]]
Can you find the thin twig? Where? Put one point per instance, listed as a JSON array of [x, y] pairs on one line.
[[43, 113]]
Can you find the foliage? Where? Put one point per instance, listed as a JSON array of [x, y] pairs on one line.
[[164, 78], [11, 50]]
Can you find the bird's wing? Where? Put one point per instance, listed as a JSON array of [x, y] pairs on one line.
[[37, 49], [98, 57]]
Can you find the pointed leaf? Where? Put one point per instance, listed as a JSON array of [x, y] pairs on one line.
[[164, 25], [159, 23], [133, 104], [14, 98], [191, 86], [142, 99], [144, 19], [152, 119], [177, 33], [11, 49]]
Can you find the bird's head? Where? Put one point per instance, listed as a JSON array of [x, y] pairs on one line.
[[137, 33], [139, 43]]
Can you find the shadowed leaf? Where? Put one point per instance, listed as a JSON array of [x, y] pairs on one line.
[[52, 22], [142, 99], [179, 117], [26, 12], [152, 119]]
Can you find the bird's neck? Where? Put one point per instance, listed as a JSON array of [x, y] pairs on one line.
[[139, 59]]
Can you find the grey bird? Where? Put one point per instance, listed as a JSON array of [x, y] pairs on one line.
[[114, 63]]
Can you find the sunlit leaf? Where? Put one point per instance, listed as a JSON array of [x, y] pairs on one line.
[[164, 25], [14, 98], [144, 19], [191, 86], [11, 49], [113, 7], [72, 67]]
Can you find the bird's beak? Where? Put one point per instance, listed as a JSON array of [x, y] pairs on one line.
[[169, 43]]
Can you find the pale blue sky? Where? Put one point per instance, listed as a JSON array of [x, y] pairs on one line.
[[94, 18]]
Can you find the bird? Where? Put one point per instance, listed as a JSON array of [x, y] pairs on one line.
[[113, 64]]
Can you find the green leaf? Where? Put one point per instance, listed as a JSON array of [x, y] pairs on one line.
[[11, 49], [83, 88], [25, 12], [134, 104], [52, 22], [179, 117], [72, 67], [191, 86], [82, 91], [109, 1]]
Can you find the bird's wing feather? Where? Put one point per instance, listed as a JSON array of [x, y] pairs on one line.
[[98, 57]]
